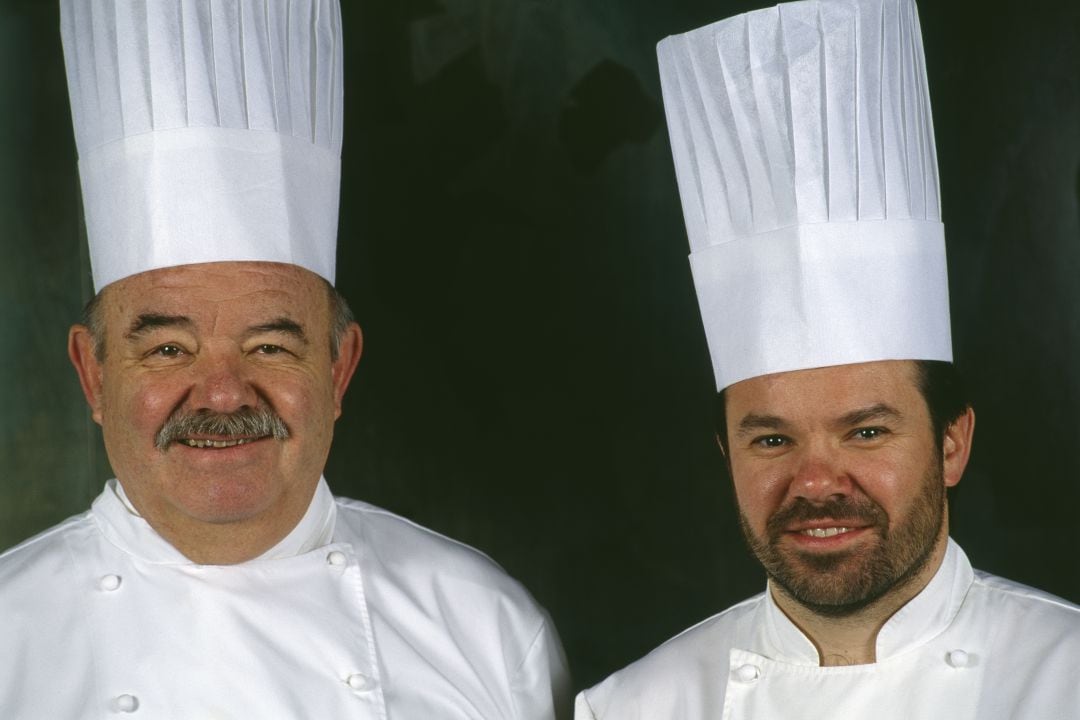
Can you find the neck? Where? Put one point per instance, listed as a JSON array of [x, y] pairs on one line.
[[852, 639], [226, 542], [222, 545]]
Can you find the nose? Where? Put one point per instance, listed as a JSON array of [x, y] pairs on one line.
[[819, 476], [221, 384]]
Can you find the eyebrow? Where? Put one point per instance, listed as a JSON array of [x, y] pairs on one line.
[[150, 321], [879, 411], [146, 322], [279, 325], [752, 422]]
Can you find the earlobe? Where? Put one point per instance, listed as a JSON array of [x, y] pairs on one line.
[[956, 447], [349, 351], [87, 367]]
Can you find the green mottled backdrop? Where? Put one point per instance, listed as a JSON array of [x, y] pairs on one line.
[[535, 379]]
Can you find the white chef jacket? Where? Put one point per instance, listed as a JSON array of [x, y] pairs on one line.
[[357, 613], [969, 646]]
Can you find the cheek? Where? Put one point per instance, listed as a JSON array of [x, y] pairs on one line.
[[140, 404], [885, 477], [154, 405], [302, 401], [895, 483], [759, 492]]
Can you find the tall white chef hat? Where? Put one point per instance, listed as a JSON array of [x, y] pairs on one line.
[[206, 131], [804, 152]]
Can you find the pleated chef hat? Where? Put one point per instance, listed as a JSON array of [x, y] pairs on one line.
[[804, 152], [206, 130]]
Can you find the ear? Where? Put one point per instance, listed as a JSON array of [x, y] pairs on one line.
[[87, 367], [349, 350], [956, 448]]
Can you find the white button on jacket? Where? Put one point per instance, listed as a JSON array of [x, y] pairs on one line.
[[358, 614]]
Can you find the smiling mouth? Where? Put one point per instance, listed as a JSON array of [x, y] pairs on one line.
[[216, 444], [825, 532]]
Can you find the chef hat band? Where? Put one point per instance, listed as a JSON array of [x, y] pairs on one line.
[[804, 152], [206, 131]]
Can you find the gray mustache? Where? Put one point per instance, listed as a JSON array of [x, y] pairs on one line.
[[259, 421]]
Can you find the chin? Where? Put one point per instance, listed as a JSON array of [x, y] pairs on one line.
[[225, 500]]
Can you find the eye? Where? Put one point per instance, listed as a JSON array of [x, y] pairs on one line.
[[870, 433], [168, 351], [770, 441], [268, 349]]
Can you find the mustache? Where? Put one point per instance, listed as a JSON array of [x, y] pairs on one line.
[[259, 421], [859, 510]]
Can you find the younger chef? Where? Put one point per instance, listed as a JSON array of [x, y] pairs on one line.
[[805, 157]]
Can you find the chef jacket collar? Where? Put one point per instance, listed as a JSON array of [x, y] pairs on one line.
[[924, 617], [125, 528]]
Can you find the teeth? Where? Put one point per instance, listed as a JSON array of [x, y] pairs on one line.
[[825, 532], [215, 443]]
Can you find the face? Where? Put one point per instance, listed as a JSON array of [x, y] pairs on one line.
[[217, 393], [840, 484]]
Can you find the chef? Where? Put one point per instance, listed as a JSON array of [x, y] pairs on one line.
[[216, 576], [805, 157]]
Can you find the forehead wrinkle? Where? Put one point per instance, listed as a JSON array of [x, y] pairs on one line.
[[227, 298]]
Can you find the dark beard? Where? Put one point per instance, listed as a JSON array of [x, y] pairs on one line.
[[841, 584]]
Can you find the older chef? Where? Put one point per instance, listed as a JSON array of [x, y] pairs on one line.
[[805, 157], [217, 576]]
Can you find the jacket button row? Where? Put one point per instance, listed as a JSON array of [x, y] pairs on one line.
[[108, 583], [125, 703]]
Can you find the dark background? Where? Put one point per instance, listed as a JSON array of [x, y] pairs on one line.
[[535, 379]]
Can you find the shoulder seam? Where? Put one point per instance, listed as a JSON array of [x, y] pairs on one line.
[[1024, 592], [44, 535], [736, 606], [367, 508]]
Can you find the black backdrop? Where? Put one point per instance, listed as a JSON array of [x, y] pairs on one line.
[[535, 380]]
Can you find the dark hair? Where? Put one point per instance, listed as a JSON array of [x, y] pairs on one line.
[[939, 382], [943, 388], [93, 317]]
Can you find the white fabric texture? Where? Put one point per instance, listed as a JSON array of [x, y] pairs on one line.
[[808, 121], [377, 619], [206, 131], [970, 646]]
